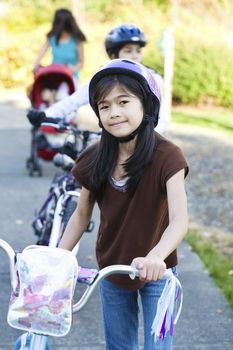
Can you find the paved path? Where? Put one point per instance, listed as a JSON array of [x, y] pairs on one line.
[[210, 181]]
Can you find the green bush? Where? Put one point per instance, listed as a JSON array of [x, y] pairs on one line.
[[202, 73], [154, 59]]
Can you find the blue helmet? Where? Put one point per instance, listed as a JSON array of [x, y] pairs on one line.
[[124, 34], [132, 69]]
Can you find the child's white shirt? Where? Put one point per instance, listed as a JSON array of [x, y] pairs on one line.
[[67, 107]]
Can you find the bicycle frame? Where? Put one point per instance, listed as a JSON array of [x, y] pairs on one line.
[[60, 190]]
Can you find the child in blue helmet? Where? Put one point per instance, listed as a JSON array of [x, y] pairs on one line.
[[66, 42], [136, 176], [124, 41]]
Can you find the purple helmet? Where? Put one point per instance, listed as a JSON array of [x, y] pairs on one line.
[[126, 67]]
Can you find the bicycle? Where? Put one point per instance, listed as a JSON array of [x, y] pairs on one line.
[[38, 340], [53, 216]]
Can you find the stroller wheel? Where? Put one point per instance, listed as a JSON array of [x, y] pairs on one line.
[[34, 168]]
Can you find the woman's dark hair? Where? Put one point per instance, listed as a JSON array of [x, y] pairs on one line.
[[64, 21], [100, 168]]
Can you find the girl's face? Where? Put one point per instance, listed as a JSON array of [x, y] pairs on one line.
[[120, 111], [131, 52]]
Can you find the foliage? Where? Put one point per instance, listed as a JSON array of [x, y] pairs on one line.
[[163, 4], [203, 71], [217, 119], [104, 10], [220, 267], [27, 14], [222, 122]]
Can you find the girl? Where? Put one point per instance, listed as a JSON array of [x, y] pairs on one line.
[[137, 178], [66, 42]]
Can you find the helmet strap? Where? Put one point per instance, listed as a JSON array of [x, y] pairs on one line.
[[133, 134]]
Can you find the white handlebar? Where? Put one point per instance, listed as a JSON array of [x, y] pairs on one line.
[[107, 271], [11, 255], [103, 273]]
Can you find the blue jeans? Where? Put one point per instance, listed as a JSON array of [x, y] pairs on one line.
[[120, 314]]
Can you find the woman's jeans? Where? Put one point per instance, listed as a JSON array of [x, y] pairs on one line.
[[120, 314]]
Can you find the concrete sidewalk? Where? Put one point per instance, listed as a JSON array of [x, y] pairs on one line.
[[206, 321]]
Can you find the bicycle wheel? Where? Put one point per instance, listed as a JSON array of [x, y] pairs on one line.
[[47, 216], [69, 209], [25, 340], [46, 232]]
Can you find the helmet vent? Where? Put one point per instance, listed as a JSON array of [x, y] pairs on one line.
[[127, 61]]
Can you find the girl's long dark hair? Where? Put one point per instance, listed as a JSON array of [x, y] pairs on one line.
[[100, 169], [64, 21]]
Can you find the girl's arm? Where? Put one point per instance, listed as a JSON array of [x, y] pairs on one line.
[[79, 65], [41, 54], [152, 267], [78, 221]]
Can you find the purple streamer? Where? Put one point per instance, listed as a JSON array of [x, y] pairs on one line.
[[171, 327], [163, 328]]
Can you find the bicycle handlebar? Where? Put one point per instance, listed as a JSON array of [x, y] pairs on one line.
[[103, 273], [12, 257], [62, 125], [63, 161]]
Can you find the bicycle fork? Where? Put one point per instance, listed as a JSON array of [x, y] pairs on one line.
[[56, 229], [38, 342]]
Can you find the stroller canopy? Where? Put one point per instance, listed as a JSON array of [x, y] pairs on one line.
[[50, 77]]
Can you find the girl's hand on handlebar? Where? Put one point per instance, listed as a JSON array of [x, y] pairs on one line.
[[150, 268]]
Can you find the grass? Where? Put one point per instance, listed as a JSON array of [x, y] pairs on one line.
[[220, 267], [217, 119]]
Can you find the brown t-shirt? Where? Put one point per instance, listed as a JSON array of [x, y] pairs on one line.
[[131, 226]]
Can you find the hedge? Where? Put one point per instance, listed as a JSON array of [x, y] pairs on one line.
[[202, 73]]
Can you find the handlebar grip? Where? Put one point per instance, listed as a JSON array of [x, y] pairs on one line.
[[54, 120], [63, 161], [36, 118]]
